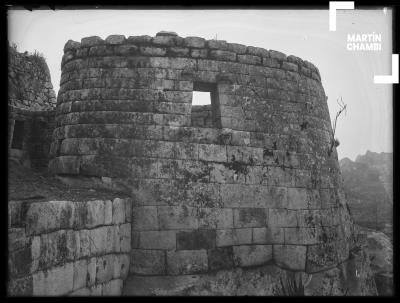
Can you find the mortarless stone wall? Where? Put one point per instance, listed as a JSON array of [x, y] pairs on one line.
[[29, 82], [68, 248], [259, 187]]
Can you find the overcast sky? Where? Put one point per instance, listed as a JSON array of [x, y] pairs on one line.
[[303, 33]]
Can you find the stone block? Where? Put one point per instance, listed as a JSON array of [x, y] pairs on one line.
[[268, 235], [54, 282], [152, 51], [277, 55], [178, 51], [144, 218], [290, 66], [121, 266], [229, 237], [199, 53], [257, 51], [67, 213], [215, 218], [53, 249], [101, 240], [72, 245], [112, 288], [271, 62], [297, 198], [251, 255], [20, 287], [35, 247], [125, 237], [217, 44], [250, 217], [291, 257], [282, 218], [186, 262], [177, 217], [222, 55], [91, 271], [118, 211], [301, 235], [96, 290], [220, 258], [128, 210], [108, 212], [17, 239], [43, 217], [212, 152], [115, 39], [144, 39], [91, 41], [80, 215], [157, 239], [126, 50], [71, 45], [104, 268], [249, 59], [95, 213], [194, 42], [19, 262], [237, 48], [196, 239], [237, 195], [80, 274], [147, 262], [84, 243]]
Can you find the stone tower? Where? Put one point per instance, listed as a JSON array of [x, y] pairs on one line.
[[245, 191]]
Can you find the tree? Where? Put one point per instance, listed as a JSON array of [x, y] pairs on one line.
[[334, 141]]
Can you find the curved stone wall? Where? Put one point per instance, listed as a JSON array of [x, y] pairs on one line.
[[258, 187]]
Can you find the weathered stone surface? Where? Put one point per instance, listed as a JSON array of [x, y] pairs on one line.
[[250, 255], [222, 55], [195, 42], [145, 218], [56, 281], [115, 39], [292, 257], [195, 240], [249, 217], [229, 237], [118, 211], [257, 51], [157, 239], [186, 262], [268, 235], [147, 262], [91, 41]]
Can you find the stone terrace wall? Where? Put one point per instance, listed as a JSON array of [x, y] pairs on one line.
[[259, 187], [68, 248], [29, 83]]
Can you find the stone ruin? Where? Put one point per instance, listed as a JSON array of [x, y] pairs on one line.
[[240, 197]]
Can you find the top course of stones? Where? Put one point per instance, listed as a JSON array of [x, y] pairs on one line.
[[169, 44]]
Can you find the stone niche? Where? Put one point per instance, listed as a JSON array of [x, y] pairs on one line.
[[252, 185]]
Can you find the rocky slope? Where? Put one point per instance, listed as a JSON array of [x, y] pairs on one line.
[[380, 252], [369, 188]]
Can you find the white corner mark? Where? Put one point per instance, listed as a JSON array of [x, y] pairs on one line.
[[335, 5], [394, 77]]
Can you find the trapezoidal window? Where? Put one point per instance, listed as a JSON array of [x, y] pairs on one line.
[[18, 135], [205, 106]]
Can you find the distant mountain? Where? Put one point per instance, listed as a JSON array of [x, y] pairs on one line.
[[368, 183], [383, 163]]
